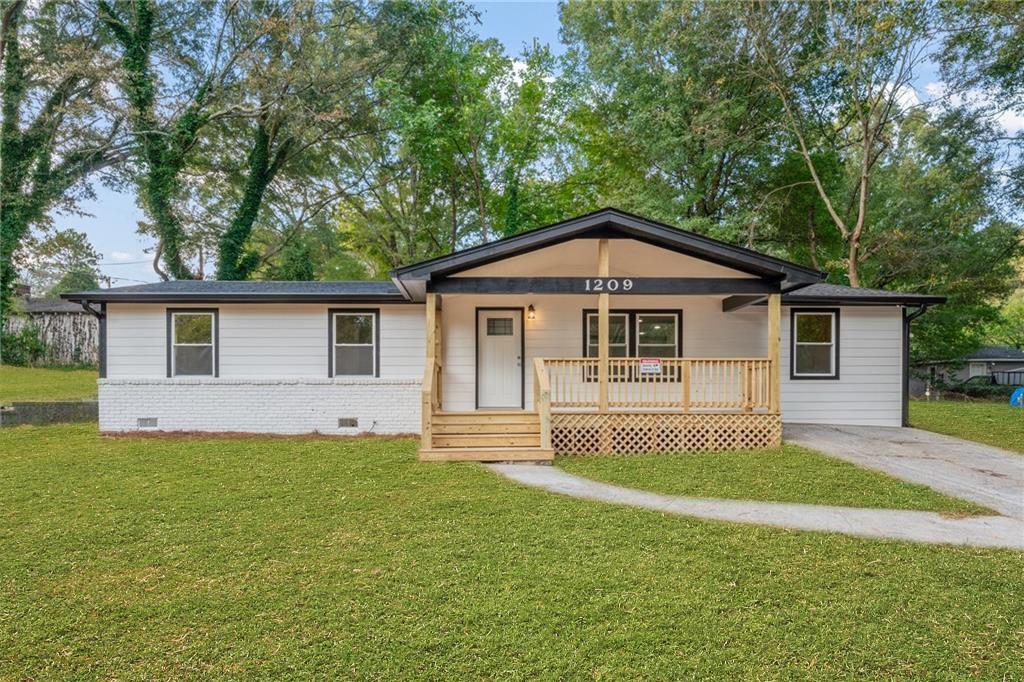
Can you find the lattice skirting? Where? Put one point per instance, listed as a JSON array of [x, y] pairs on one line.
[[620, 433]]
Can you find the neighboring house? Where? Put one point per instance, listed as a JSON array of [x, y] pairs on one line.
[[69, 332], [603, 333], [1003, 364]]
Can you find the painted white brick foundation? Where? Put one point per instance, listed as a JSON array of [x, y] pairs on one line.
[[286, 406]]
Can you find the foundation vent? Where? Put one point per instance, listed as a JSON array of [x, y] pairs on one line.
[[147, 422], [347, 422]]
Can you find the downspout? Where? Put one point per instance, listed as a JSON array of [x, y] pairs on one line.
[[908, 317], [101, 317]]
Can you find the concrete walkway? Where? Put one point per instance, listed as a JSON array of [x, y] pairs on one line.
[[983, 474]]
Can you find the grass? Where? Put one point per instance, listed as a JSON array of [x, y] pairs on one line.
[[34, 383], [786, 474], [204, 558], [991, 423]]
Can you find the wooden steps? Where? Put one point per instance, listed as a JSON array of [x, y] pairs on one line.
[[485, 437]]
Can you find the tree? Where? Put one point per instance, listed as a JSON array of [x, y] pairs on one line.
[[200, 45], [662, 107], [59, 262], [309, 78], [842, 73], [437, 171], [59, 127], [982, 64], [1008, 330]]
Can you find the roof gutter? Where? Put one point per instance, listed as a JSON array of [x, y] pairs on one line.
[[171, 297]]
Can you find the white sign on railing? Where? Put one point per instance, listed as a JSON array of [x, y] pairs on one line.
[[650, 365]]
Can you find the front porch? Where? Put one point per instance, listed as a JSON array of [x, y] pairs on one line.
[[640, 397]]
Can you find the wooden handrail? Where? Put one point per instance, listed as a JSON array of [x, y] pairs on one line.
[[429, 401], [542, 401], [731, 384]]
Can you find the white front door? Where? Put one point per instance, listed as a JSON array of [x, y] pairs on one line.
[[499, 359]]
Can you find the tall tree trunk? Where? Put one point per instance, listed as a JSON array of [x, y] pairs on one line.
[[233, 261]]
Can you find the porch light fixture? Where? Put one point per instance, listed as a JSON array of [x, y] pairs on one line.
[[531, 314]]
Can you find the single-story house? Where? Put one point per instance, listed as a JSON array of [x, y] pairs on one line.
[[1002, 364], [605, 333]]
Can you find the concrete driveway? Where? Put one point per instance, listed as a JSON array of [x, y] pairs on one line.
[[983, 474]]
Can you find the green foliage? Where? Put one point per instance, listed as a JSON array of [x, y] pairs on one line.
[[59, 261], [57, 130], [965, 390], [662, 111], [163, 145], [24, 348], [1008, 329], [77, 279], [295, 264]]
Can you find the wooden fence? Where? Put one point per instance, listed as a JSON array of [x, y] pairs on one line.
[[70, 338]]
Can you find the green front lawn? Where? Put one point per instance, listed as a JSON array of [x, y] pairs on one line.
[[142, 558], [992, 423], [786, 474], [33, 383]]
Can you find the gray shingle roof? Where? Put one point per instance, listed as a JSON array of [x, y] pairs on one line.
[[837, 293], [251, 291], [996, 353], [47, 305]]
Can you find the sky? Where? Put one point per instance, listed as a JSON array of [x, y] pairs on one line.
[[113, 217]]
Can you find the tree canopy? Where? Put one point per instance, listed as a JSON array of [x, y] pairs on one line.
[[303, 139]]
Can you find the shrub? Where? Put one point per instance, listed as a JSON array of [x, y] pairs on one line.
[[976, 391], [24, 348]]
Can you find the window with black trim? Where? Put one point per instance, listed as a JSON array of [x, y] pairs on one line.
[[193, 338], [815, 347], [354, 343], [635, 333]]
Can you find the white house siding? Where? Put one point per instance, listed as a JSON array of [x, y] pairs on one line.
[[273, 373], [869, 388]]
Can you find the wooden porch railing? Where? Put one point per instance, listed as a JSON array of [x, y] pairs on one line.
[[542, 401], [740, 384], [430, 401]]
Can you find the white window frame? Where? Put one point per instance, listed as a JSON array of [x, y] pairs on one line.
[[373, 345], [833, 344], [675, 332], [610, 344], [172, 356]]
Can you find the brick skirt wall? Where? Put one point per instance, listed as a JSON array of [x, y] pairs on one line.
[[285, 406]]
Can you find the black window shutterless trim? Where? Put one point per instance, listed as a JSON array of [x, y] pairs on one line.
[[331, 312], [631, 315], [834, 376], [216, 338]]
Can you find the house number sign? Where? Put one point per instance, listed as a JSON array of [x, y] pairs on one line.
[[609, 284]]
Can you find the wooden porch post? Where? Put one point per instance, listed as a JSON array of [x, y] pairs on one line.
[[429, 390], [774, 323], [603, 301]]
